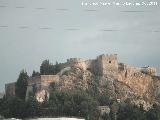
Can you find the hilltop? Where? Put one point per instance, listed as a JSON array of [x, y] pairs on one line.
[[123, 81], [103, 78]]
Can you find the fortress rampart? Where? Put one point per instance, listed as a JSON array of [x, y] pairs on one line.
[[103, 65], [139, 79], [38, 83]]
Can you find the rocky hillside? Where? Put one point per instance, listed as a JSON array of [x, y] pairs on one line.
[[103, 76], [139, 89], [101, 87]]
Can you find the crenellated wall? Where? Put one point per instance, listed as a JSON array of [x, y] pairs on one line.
[[78, 62]]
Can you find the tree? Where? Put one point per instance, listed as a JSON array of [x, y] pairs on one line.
[[46, 68], [21, 85], [34, 74], [15, 107], [32, 108], [57, 68], [128, 111], [104, 99], [93, 87], [114, 110], [105, 116], [12, 107], [153, 113], [74, 103]]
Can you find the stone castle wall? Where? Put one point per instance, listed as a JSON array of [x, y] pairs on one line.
[[106, 65], [80, 63], [47, 79], [42, 82], [156, 87], [140, 80], [10, 89]]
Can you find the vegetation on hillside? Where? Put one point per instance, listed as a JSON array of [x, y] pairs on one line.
[[21, 85], [74, 104]]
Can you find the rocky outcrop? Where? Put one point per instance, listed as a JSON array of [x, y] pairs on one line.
[[138, 81], [75, 78]]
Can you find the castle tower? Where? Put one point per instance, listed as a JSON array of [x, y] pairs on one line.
[[77, 62], [108, 66]]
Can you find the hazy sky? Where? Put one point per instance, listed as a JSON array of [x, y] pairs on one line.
[[34, 30]]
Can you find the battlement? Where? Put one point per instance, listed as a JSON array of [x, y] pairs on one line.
[[43, 78], [107, 56], [49, 78], [146, 70], [74, 60]]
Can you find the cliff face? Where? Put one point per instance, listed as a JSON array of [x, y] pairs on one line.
[[141, 83]]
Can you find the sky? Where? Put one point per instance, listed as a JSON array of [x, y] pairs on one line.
[[34, 30]]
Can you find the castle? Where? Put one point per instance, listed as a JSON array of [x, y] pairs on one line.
[[139, 79]]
